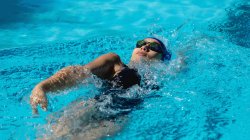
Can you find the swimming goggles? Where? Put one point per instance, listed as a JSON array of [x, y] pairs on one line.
[[151, 46]]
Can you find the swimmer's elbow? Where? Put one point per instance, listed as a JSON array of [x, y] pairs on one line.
[[114, 57], [106, 59], [113, 54]]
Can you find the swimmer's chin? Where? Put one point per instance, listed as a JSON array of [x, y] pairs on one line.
[[138, 60], [142, 60]]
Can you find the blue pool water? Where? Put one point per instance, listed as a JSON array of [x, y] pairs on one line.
[[207, 100]]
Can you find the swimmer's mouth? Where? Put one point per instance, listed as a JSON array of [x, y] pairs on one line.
[[141, 54]]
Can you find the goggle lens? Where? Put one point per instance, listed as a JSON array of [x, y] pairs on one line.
[[152, 45]]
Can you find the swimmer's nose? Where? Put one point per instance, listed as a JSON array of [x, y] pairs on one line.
[[145, 48]]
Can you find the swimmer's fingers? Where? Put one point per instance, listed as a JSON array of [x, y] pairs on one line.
[[44, 103], [34, 103]]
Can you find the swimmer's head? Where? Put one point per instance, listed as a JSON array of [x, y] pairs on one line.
[[150, 48]]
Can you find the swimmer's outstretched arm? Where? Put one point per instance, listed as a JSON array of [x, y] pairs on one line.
[[104, 67], [62, 79]]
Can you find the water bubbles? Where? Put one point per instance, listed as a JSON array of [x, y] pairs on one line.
[[179, 99]]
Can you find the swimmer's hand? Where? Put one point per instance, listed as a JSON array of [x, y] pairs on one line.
[[38, 97]]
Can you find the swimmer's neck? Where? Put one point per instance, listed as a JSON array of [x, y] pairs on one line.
[[140, 63]]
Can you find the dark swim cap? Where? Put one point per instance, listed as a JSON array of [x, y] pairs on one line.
[[166, 55]]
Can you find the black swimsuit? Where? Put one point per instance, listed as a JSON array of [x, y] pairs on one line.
[[119, 104], [126, 78]]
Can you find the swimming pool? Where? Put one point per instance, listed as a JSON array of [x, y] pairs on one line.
[[209, 100]]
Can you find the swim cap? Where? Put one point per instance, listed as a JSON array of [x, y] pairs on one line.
[[166, 54]]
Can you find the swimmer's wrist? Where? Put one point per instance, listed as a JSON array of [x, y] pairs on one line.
[[42, 87]]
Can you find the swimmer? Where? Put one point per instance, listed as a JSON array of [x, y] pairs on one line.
[[110, 68]]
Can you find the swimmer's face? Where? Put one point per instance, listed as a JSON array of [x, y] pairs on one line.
[[144, 51]]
